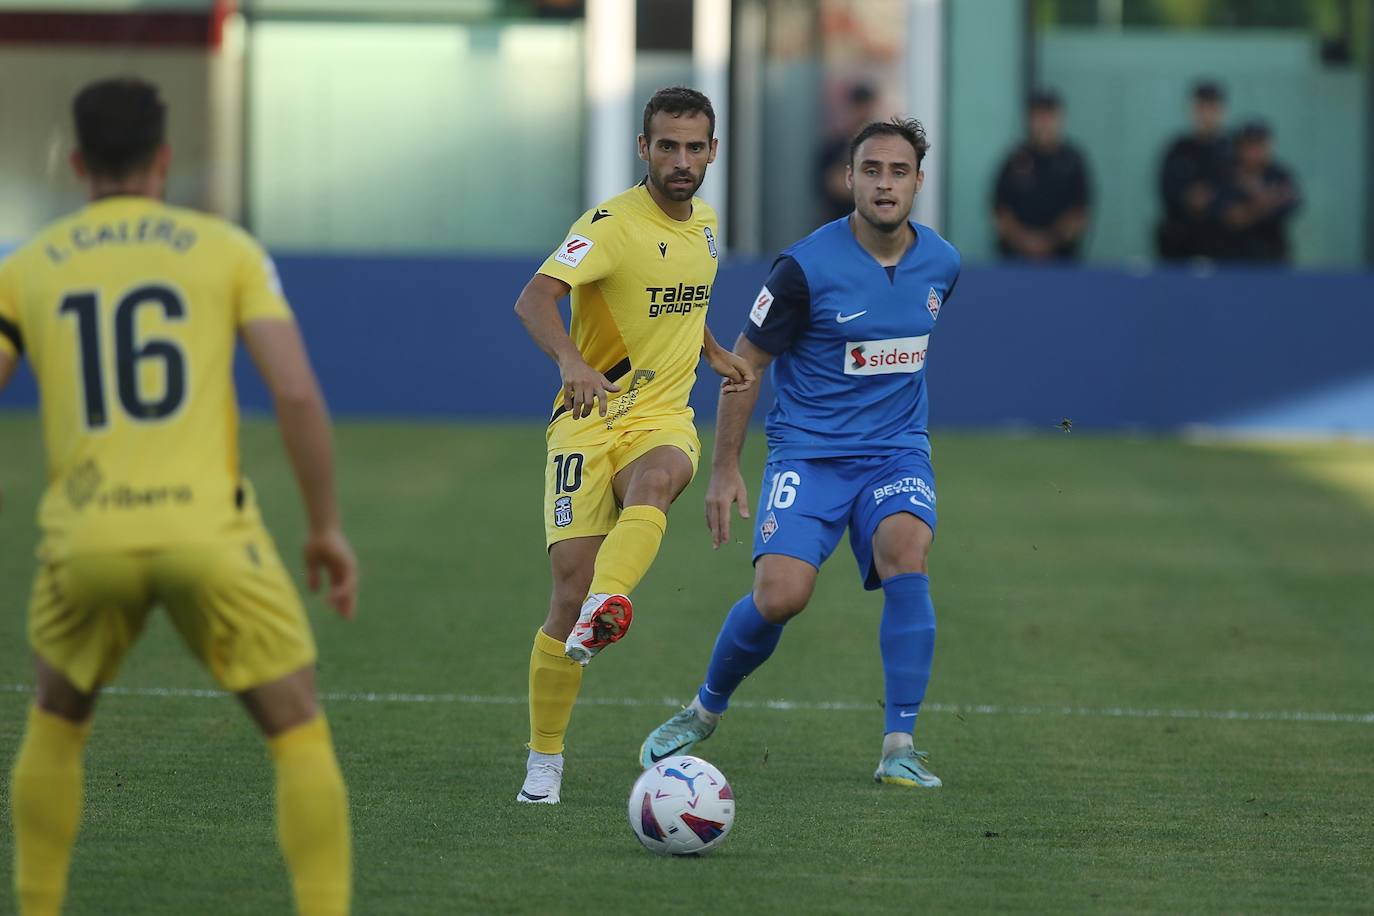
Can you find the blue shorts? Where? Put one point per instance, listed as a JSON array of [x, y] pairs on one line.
[[806, 503]]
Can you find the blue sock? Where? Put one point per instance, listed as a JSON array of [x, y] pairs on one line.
[[907, 639], [745, 642]]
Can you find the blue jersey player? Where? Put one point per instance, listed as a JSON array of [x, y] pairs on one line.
[[844, 319]]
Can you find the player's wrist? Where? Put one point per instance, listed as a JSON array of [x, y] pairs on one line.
[[325, 526], [569, 360]]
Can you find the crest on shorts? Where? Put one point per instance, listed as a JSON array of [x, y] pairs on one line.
[[562, 511], [769, 527], [933, 303]]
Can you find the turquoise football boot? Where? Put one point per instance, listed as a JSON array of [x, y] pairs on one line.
[[906, 767], [676, 736]]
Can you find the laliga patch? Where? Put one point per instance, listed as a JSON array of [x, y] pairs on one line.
[[769, 527], [574, 250], [933, 303], [710, 240], [562, 511], [762, 304]]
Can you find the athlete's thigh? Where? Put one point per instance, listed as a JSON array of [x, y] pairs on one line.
[[86, 611], [903, 483], [578, 470], [657, 477], [236, 608], [673, 449], [802, 510]]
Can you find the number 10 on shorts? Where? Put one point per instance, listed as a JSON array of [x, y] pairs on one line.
[[784, 491]]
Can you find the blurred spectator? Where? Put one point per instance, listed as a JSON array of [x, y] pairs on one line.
[[832, 158], [1191, 181], [1042, 196], [1257, 200]]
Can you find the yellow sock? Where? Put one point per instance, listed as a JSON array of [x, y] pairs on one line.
[[628, 551], [312, 819], [45, 801], [555, 680]]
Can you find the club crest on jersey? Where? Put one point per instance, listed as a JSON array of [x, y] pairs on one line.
[[562, 511], [769, 527], [933, 303], [710, 240], [574, 250]]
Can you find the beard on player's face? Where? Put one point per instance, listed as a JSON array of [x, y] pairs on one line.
[[670, 182]]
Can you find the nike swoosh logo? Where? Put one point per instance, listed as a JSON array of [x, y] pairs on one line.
[[917, 502], [907, 715], [841, 318], [534, 797], [657, 757]]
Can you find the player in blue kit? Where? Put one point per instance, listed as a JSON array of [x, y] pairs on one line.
[[844, 319]]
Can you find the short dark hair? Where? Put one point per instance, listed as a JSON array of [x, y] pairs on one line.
[[120, 123], [1045, 99], [909, 129], [1208, 91], [678, 101]]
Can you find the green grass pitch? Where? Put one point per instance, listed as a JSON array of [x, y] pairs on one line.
[[1081, 583]]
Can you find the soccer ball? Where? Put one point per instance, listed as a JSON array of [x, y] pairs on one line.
[[681, 806]]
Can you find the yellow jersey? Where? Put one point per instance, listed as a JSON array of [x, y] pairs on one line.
[[128, 312], [641, 282]]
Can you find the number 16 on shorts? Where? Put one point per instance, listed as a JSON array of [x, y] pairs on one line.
[[781, 495]]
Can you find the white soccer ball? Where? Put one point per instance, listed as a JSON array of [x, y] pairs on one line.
[[681, 806]]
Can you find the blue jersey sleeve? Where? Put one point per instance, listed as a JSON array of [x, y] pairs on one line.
[[782, 311]]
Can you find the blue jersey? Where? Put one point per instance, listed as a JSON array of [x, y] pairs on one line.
[[850, 337]]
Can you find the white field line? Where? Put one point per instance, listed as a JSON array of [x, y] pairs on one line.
[[959, 709]]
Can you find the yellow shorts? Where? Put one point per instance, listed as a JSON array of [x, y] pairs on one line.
[[232, 602], [584, 457]]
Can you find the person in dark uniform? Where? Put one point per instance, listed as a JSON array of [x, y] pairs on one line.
[[1191, 181], [1041, 202], [832, 158], [1257, 201]]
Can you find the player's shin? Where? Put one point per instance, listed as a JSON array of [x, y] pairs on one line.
[[555, 681], [312, 819], [745, 642], [628, 551], [45, 802], [906, 637]]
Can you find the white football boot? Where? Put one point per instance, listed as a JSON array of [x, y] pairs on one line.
[[604, 620], [543, 779]]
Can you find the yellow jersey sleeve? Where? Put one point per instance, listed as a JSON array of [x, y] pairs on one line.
[[592, 251], [259, 292], [11, 338]]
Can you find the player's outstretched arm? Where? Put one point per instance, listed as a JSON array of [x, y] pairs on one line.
[[583, 386], [279, 353], [736, 372], [726, 487]]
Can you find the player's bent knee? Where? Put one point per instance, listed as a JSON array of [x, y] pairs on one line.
[[654, 487], [902, 563], [57, 696], [283, 704], [779, 602]]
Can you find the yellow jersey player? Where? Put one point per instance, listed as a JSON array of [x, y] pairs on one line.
[[621, 444], [128, 311]]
